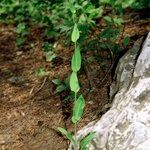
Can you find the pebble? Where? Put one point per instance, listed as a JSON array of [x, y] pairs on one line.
[[16, 80]]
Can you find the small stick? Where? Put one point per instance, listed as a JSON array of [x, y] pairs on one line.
[[32, 95], [31, 91], [43, 83]]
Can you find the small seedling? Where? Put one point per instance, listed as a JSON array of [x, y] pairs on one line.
[[126, 41], [22, 32], [41, 72], [49, 52], [61, 85]]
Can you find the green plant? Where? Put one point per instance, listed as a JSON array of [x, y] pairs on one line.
[[140, 4], [49, 52], [61, 85], [22, 32], [41, 72], [79, 102], [26, 14], [85, 12]]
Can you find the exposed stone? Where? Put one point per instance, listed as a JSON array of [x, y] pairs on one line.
[[16, 80], [126, 126]]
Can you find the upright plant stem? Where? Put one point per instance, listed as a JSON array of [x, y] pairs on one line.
[[75, 45], [75, 127]]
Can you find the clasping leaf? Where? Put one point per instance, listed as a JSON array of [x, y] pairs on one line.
[[86, 140], [74, 84], [78, 109], [75, 34], [67, 134], [76, 60]]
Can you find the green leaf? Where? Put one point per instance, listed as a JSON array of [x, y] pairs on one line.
[[78, 109], [105, 1], [127, 3], [75, 34], [41, 72], [20, 41], [76, 60], [20, 27], [126, 40], [60, 88], [48, 47], [74, 84], [57, 81], [109, 33], [72, 8], [118, 21], [82, 19], [50, 56], [86, 140], [67, 134], [66, 81], [108, 19]]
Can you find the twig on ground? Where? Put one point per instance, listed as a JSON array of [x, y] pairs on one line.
[[31, 95], [31, 91], [43, 83]]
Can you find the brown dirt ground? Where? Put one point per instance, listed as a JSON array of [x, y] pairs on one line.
[[29, 119]]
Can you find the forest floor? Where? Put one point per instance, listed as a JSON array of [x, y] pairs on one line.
[[30, 111]]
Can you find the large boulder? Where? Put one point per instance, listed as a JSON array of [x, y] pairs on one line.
[[126, 126]]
